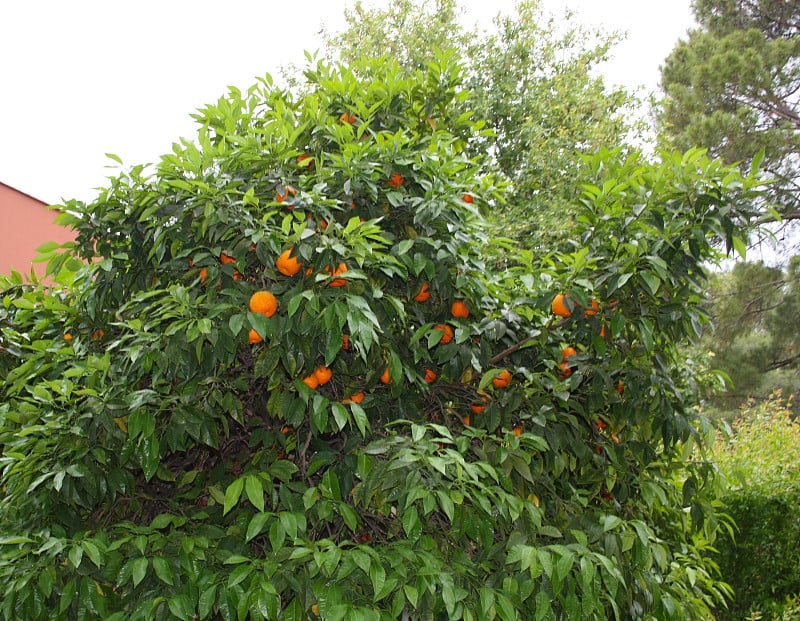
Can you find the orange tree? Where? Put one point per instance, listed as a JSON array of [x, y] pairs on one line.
[[294, 380]]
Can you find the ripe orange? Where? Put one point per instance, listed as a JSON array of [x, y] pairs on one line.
[[315, 610], [311, 381], [565, 370], [518, 431], [254, 337], [303, 158], [459, 309], [98, 334], [337, 282], [567, 352], [430, 376], [477, 408], [287, 264], [356, 398], [323, 375], [467, 198], [466, 420], [348, 118], [386, 378], [204, 275], [601, 424], [225, 259], [591, 311], [264, 302], [502, 379], [345, 342], [279, 198], [447, 333], [620, 387], [424, 293], [559, 306], [67, 336], [396, 180]]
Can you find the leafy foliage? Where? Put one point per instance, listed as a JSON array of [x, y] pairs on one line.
[[759, 458], [733, 87], [159, 463], [531, 81]]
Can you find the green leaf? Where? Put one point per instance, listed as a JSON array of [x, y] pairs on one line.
[[254, 490], [256, 525], [163, 570], [232, 494]]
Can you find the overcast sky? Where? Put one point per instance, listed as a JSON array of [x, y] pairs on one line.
[[83, 78]]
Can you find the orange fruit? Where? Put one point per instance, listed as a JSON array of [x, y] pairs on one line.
[[98, 334], [565, 370], [424, 293], [264, 302], [430, 376], [311, 381], [356, 398], [477, 408], [315, 610], [447, 333], [303, 158], [204, 275], [502, 379], [323, 375], [337, 282], [567, 352], [350, 118], [287, 264], [386, 378], [459, 309], [254, 337], [396, 180], [67, 337], [466, 420], [286, 429], [602, 332], [559, 306], [225, 259], [518, 431], [279, 198], [620, 387], [591, 311], [345, 342], [467, 198], [601, 424]]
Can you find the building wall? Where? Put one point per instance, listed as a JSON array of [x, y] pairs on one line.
[[26, 224]]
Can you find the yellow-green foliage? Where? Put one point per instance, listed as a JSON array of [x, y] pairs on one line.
[[762, 564], [762, 448]]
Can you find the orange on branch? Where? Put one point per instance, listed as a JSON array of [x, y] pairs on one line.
[[386, 377], [254, 337], [287, 264], [264, 302], [311, 381], [477, 408], [467, 198], [566, 371], [591, 311], [424, 293], [430, 376], [447, 333], [459, 309], [502, 379], [323, 375], [559, 306], [356, 398], [225, 259], [567, 352], [396, 180], [337, 282]]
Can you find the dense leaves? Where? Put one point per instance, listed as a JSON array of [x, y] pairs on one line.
[[159, 462], [733, 87]]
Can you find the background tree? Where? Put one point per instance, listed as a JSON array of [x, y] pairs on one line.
[[754, 339], [286, 386], [531, 80], [734, 87]]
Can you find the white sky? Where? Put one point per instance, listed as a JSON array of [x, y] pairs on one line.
[[83, 78]]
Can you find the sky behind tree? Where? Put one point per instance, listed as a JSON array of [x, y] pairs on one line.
[[91, 77]]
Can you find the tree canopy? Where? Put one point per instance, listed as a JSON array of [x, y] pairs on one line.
[[734, 87], [287, 385], [530, 79]]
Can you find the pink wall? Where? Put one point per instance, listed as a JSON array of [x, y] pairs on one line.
[[26, 224]]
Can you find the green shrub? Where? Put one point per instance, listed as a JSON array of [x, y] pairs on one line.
[[759, 458]]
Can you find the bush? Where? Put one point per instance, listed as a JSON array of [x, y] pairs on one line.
[[762, 564]]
